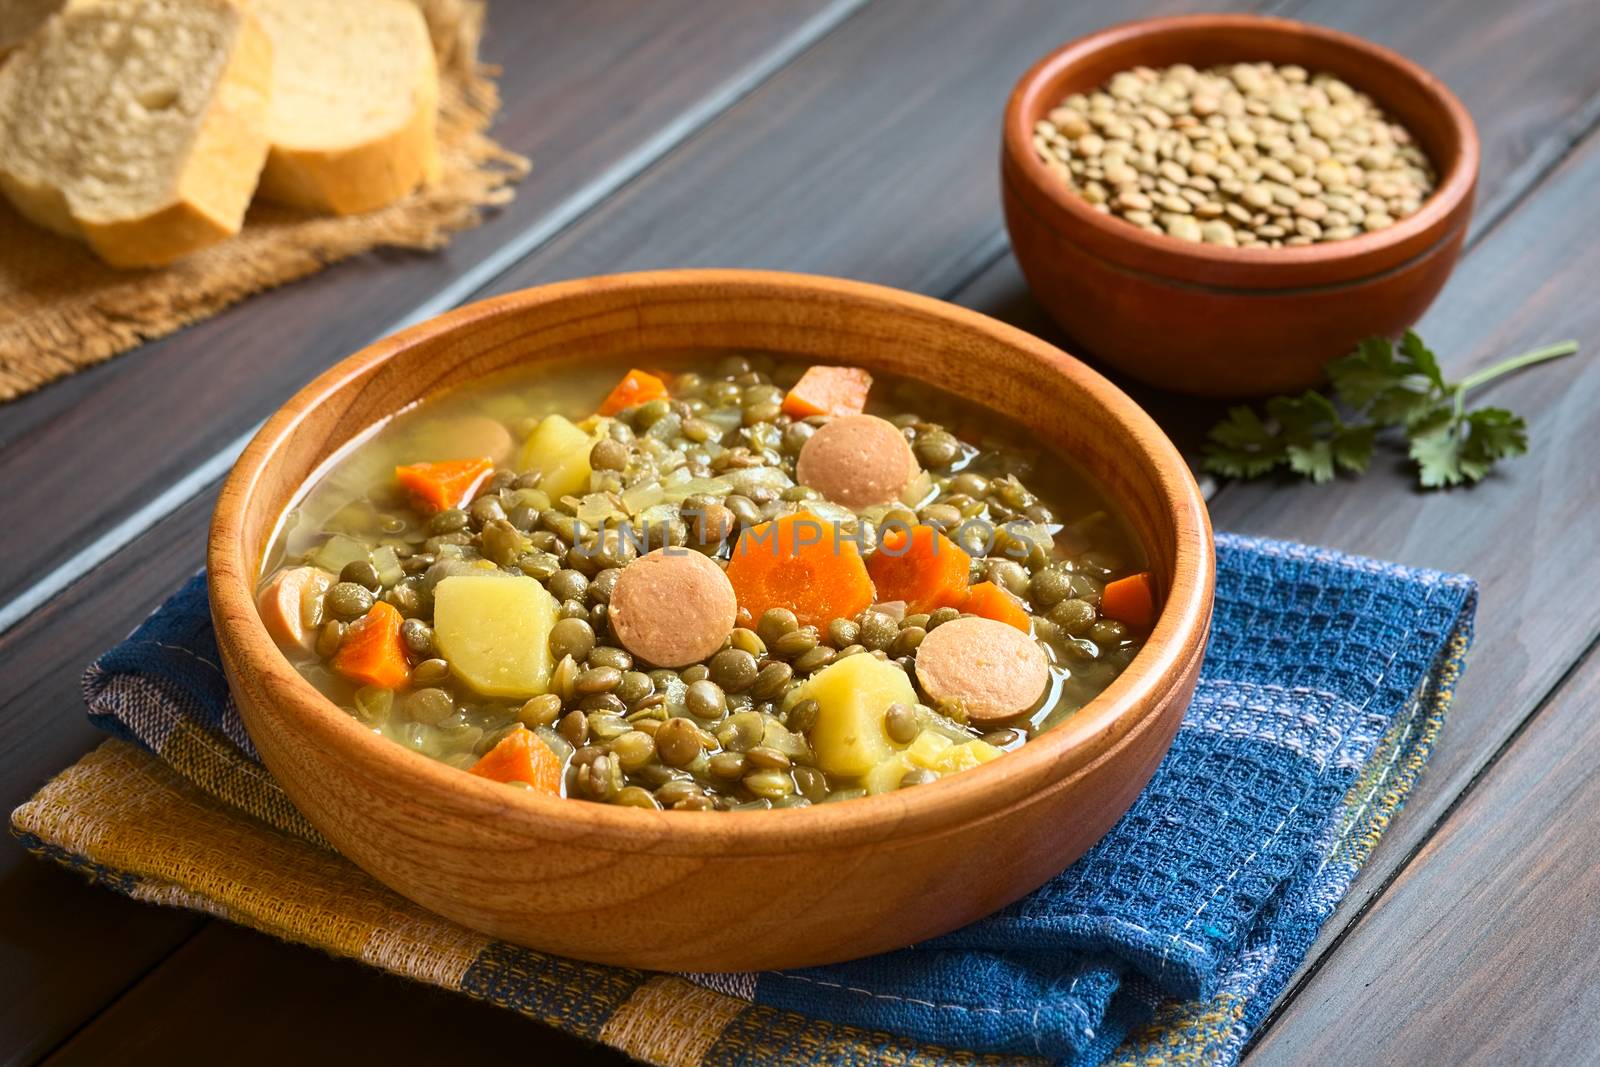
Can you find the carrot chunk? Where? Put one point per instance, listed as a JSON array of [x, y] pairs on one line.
[[1130, 600], [828, 391], [992, 602], [637, 387], [801, 563], [440, 486], [921, 566], [372, 652], [521, 756]]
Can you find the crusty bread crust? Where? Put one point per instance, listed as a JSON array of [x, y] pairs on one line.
[[219, 175], [368, 175], [43, 205], [20, 18], [216, 176]]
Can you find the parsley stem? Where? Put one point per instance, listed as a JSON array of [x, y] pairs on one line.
[[1527, 359]]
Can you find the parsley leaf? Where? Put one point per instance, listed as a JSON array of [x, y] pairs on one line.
[[1421, 359], [1365, 374], [1241, 446], [1438, 457], [1378, 387], [1352, 448]]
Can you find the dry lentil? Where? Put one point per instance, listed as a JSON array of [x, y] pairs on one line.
[[1149, 145]]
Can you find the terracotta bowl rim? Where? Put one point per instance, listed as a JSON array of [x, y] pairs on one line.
[[1176, 641], [1361, 257]]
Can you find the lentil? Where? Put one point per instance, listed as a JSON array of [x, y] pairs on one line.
[[430, 706], [572, 637], [730, 732], [418, 637], [900, 723], [430, 672], [347, 600], [1283, 139], [362, 573], [733, 669], [678, 742], [705, 699], [542, 710]]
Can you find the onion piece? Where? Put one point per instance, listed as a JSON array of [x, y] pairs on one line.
[[337, 552], [638, 497], [387, 563], [895, 609]]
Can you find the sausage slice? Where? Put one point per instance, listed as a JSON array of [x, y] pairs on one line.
[[280, 604], [465, 437], [857, 461], [672, 607], [996, 670]]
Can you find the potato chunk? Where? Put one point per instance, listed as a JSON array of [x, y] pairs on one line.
[[929, 751], [559, 451], [849, 737], [495, 631]]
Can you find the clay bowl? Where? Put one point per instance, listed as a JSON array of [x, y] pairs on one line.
[[718, 891], [1217, 321]]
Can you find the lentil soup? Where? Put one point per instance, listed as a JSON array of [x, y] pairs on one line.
[[728, 582]]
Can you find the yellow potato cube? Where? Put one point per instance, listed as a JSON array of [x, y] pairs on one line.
[[559, 451], [927, 748], [495, 631], [885, 777], [964, 756], [852, 694]]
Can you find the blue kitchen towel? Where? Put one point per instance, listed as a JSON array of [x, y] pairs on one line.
[[1324, 687]]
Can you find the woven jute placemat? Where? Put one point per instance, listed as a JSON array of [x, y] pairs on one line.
[[61, 309]]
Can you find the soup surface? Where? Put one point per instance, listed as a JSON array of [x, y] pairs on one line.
[[727, 582]]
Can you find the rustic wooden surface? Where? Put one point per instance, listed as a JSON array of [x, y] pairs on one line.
[[190, 395], [860, 139]]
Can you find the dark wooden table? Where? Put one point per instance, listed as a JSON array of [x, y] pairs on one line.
[[859, 138]]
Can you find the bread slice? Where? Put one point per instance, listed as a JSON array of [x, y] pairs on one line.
[[355, 99], [20, 18], [139, 126]]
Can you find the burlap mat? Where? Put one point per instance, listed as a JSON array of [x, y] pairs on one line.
[[61, 309]]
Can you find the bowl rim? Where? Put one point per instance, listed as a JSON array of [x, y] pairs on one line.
[[1376, 252], [1175, 643]]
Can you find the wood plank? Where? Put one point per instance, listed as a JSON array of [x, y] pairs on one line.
[[223, 998], [875, 157], [759, 175], [907, 257], [47, 651], [68, 948], [132, 427], [84, 420], [192, 986], [1487, 946]]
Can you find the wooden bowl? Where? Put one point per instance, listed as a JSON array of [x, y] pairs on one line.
[[719, 891], [1217, 321]]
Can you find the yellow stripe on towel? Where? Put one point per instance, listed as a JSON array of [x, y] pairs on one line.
[[217, 766], [130, 812], [670, 1021]]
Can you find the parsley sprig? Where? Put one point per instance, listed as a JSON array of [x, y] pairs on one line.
[[1378, 387]]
